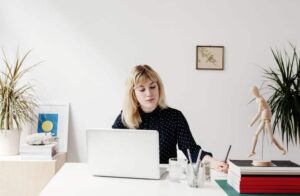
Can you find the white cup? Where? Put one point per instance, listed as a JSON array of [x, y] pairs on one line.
[[177, 169]]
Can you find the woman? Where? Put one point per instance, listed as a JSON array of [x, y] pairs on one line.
[[145, 108]]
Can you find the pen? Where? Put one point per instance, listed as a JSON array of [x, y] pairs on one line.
[[190, 159], [198, 161], [198, 158], [189, 156], [225, 160]]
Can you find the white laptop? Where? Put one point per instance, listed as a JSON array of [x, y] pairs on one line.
[[123, 153]]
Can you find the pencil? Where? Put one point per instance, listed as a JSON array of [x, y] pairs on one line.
[[189, 156], [198, 161], [225, 160]]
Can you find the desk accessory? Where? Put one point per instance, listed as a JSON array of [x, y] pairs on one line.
[[227, 154], [177, 169], [265, 115], [39, 152], [195, 174], [231, 191], [283, 176]]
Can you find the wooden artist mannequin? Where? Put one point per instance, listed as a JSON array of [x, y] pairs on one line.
[[265, 114]]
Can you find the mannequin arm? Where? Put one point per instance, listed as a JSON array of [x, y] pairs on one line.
[[257, 114]]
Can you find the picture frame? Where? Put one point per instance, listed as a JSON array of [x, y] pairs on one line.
[[210, 57], [54, 119]]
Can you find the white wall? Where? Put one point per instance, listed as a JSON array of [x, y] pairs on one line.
[[89, 47]]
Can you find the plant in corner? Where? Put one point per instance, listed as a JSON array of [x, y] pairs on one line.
[[284, 84], [17, 103]]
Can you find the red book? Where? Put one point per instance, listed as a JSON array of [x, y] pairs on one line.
[[259, 186], [269, 191], [275, 187], [270, 180]]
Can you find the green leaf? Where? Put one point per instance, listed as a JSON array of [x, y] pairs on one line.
[[17, 105], [283, 83]]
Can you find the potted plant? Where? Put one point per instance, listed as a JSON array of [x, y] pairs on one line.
[[283, 81], [17, 103]]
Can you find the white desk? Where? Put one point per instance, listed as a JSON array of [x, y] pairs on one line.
[[74, 179]]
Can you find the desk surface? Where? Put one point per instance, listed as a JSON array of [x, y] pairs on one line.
[[74, 179]]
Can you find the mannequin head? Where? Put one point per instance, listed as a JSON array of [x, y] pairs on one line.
[[255, 91]]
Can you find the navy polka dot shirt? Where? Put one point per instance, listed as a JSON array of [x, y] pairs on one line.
[[173, 129]]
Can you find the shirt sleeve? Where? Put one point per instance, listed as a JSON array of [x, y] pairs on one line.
[[118, 124], [186, 141]]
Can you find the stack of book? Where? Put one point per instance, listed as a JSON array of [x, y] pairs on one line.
[[39, 152], [281, 177]]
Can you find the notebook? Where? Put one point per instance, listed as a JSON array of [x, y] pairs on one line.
[[124, 153]]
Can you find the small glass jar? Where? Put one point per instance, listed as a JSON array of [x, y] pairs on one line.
[[177, 169], [195, 176]]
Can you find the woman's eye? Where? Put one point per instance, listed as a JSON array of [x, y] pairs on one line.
[[152, 87], [141, 89]]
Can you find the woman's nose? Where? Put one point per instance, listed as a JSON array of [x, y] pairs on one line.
[[148, 92]]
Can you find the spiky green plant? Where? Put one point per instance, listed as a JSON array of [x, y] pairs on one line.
[[284, 84], [17, 103]]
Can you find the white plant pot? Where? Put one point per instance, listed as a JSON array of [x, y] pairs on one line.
[[9, 142]]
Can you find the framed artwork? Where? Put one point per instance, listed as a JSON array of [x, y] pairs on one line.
[[210, 57], [54, 119]]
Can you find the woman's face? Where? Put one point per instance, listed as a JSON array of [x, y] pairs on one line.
[[147, 95]]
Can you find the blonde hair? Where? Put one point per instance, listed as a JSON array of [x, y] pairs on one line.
[[131, 117]]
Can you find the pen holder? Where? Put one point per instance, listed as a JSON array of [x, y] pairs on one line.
[[195, 176]]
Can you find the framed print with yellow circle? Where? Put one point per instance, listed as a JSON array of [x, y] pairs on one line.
[[54, 119], [47, 123]]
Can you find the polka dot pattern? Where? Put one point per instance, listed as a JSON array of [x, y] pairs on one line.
[[173, 129]]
